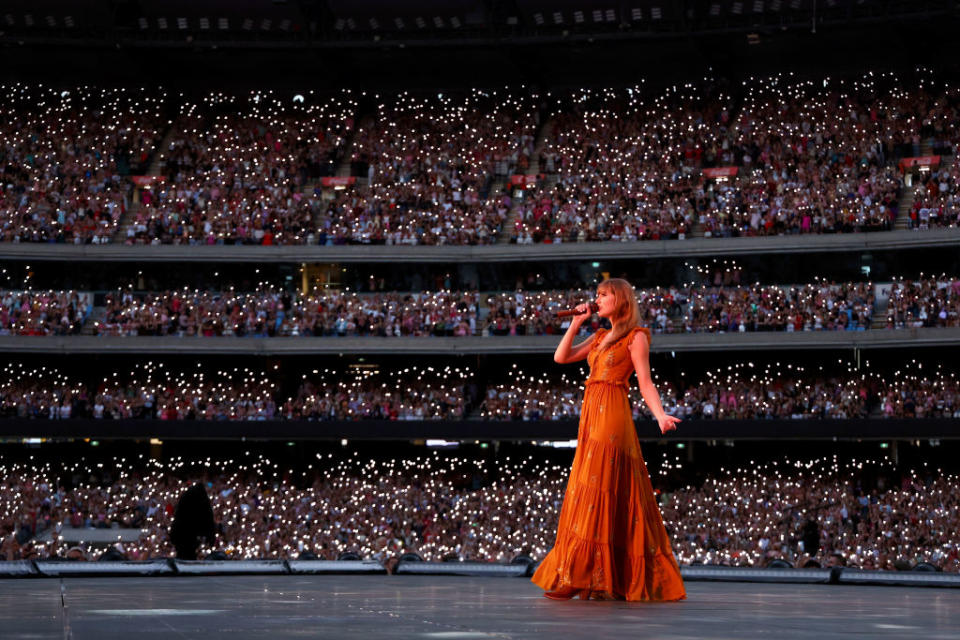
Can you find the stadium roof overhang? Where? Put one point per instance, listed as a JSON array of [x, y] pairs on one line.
[[371, 21], [378, 42]]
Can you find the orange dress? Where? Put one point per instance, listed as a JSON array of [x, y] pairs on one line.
[[611, 536]]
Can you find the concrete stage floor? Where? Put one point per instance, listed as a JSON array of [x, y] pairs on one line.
[[343, 606]]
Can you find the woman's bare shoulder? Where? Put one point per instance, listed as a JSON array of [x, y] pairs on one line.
[[641, 336]]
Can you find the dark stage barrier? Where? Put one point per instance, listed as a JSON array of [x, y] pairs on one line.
[[474, 429], [691, 573], [171, 567]]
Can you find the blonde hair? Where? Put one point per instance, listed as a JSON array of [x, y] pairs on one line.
[[626, 309]]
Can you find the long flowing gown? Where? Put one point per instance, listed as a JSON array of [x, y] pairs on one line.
[[611, 536]]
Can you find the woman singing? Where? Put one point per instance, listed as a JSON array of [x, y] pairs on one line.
[[611, 543]]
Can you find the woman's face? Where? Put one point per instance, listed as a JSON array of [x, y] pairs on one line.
[[606, 301]]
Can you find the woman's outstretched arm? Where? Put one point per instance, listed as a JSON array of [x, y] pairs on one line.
[[640, 354], [566, 352]]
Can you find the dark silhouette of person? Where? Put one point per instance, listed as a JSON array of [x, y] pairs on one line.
[[192, 520], [811, 537]]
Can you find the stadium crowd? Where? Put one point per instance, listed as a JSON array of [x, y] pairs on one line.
[[414, 393], [924, 302], [240, 176], [936, 200], [271, 312], [534, 397], [43, 313], [743, 390], [65, 156], [738, 392], [155, 391], [778, 155], [726, 308], [429, 166], [912, 394], [794, 157], [817, 513], [864, 514], [821, 306], [935, 192], [620, 168]]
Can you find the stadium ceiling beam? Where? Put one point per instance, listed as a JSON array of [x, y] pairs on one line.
[[520, 345], [307, 10], [493, 39], [457, 254]]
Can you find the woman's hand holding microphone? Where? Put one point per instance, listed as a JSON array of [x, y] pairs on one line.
[[583, 311]]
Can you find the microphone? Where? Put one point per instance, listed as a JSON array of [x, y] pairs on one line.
[[566, 313]]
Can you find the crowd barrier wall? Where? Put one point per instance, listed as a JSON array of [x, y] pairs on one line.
[[457, 254], [467, 430], [471, 345]]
